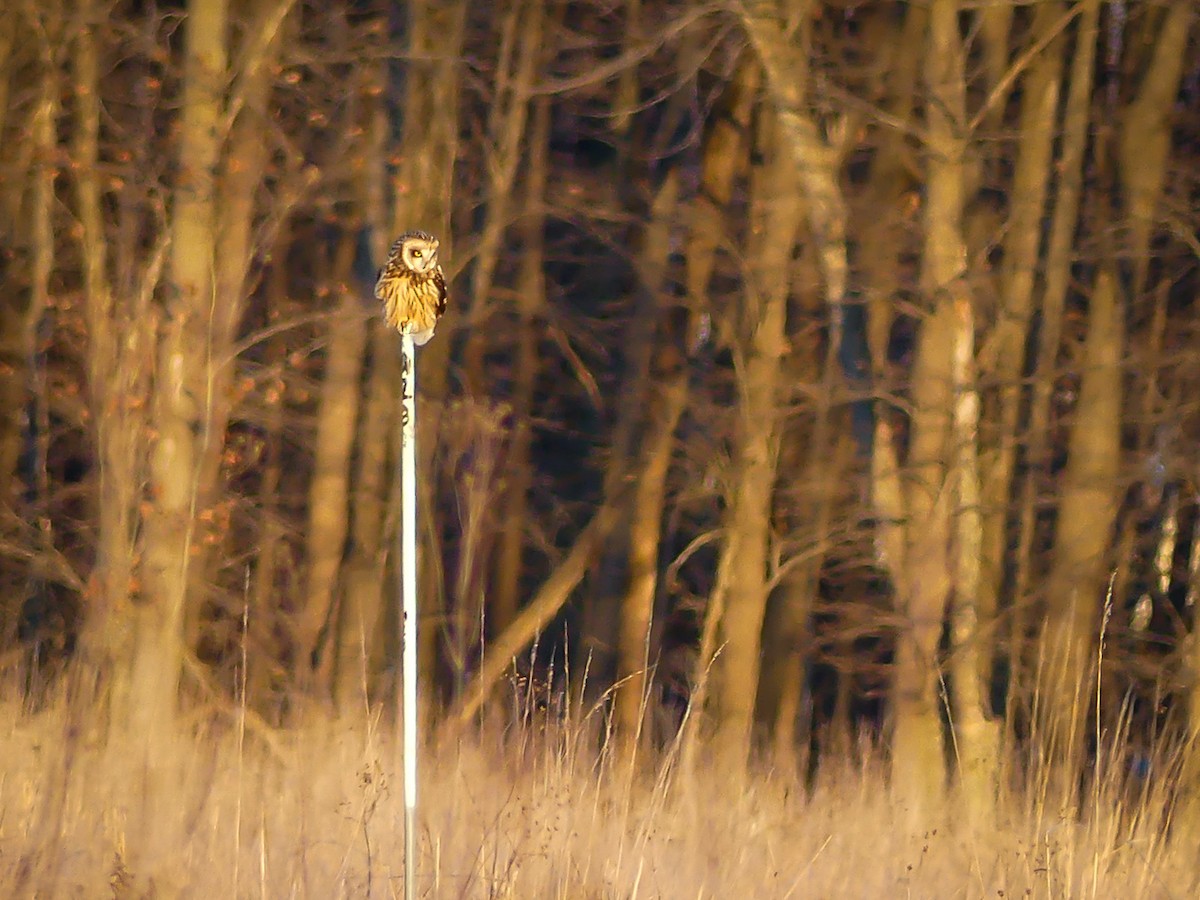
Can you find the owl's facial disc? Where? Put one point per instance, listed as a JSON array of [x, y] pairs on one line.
[[422, 256]]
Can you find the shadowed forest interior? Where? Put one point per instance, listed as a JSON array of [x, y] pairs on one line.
[[812, 403]]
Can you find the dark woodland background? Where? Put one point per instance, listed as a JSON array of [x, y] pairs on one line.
[[828, 366]]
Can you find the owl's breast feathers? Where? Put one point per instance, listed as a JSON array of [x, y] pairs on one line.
[[412, 301]]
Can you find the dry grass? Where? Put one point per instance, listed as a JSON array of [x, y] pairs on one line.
[[320, 814]]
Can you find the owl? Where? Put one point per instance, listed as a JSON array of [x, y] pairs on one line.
[[412, 286]]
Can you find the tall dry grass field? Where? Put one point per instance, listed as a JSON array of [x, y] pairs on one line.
[[534, 812]]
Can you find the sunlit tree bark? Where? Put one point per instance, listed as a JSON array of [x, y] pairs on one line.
[[995, 27], [211, 245], [816, 158], [1057, 267], [1088, 505], [1003, 355], [723, 160], [246, 115], [976, 734], [1145, 136], [264, 660], [48, 29], [15, 299], [182, 403], [516, 66], [328, 508], [923, 588], [886, 210], [120, 362], [531, 291], [363, 641], [361, 635], [740, 594], [665, 407]]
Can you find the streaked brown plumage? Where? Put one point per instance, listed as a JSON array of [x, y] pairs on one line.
[[412, 287]]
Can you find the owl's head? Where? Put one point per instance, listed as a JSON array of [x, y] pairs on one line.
[[418, 250]]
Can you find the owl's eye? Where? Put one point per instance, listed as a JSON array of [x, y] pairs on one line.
[[417, 254]]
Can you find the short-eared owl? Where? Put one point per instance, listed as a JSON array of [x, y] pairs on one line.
[[412, 286]]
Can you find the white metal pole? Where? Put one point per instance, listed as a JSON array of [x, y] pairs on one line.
[[408, 566]]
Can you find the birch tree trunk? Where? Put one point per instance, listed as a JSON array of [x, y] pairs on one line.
[[977, 736], [818, 161]]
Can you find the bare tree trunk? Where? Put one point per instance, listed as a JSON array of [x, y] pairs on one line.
[[918, 767], [211, 246], [243, 159], [44, 172], [817, 160], [328, 495], [520, 51], [726, 148], [977, 738], [362, 636], [182, 407], [1057, 274], [885, 214], [1145, 139], [429, 108], [742, 567], [1003, 356], [1086, 514], [921, 564], [724, 157], [119, 362], [1186, 819], [14, 329], [13, 298], [995, 27], [665, 408], [504, 597], [267, 653], [786, 631]]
